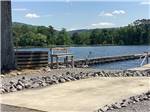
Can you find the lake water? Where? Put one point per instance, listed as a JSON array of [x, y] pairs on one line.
[[100, 51]]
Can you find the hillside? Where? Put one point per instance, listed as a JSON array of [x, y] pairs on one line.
[[136, 33]]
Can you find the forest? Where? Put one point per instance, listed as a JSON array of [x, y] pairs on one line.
[[136, 33]]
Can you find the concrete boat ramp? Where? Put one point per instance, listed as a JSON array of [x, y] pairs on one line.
[[84, 95]]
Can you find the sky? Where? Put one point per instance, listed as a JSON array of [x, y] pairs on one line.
[[78, 14]]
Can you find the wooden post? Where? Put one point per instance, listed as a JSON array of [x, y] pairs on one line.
[[67, 61], [57, 64], [7, 51], [51, 61], [72, 61], [64, 61], [86, 61]]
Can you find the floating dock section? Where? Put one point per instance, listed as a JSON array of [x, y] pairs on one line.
[[102, 60], [108, 59]]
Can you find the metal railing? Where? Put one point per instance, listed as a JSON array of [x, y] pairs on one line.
[[145, 58]]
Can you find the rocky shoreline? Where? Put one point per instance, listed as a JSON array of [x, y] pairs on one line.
[[26, 82], [126, 103]]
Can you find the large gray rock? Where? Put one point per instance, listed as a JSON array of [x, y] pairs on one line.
[[55, 81], [116, 106], [27, 84], [19, 87], [34, 85], [20, 83], [49, 81], [2, 90], [12, 89], [18, 73], [62, 80], [46, 69], [105, 108], [43, 84]]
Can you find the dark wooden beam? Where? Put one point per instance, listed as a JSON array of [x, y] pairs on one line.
[[7, 51]]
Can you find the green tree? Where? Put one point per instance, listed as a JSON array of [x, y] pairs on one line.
[[39, 40], [137, 33], [52, 35], [94, 37], [27, 39], [63, 38], [75, 38]]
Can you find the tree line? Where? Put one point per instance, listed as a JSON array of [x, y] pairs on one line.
[[136, 33]]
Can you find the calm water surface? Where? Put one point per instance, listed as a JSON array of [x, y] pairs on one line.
[[100, 51]]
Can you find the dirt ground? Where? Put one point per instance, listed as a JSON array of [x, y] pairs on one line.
[[79, 96]]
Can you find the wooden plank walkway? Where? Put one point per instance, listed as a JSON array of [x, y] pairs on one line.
[[31, 59], [102, 60], [108, 59]]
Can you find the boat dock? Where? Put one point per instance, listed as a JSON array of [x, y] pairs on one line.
[[102, 60], [108, 59], [30, 59]]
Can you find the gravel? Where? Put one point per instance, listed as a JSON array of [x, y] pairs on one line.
[[21, 82], [139, 103], [143, 106]]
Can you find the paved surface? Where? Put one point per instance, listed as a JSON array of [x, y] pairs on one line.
[[11, 108], [79, 96]]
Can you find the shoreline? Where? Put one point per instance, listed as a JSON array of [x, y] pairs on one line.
[[94, 93], [26, 47], [43, 78]]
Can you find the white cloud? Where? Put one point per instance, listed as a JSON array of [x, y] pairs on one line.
[[20, 9], [103, 24], [108, 14], [113, 13], [145, 3], [105, 14], [32, 15], [118, 12]]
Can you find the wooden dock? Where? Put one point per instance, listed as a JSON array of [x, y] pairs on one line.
[[102, 60], [108, 59], [31, 59]]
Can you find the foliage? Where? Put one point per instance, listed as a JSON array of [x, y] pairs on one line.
[[137, 33], [63, 38]]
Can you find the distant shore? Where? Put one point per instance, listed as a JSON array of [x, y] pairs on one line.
[[98, 45]]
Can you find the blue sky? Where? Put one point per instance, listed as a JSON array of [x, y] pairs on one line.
[[80, 15]]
